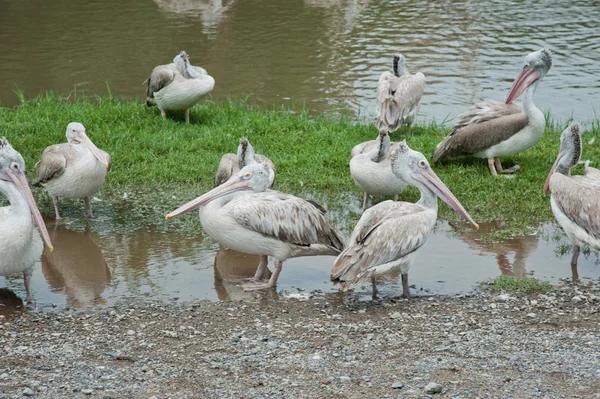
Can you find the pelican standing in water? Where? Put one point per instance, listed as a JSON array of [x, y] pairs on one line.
[[21, 244], [398, 97], [177, 86], [242, 215], [231, 164], [390, 234], [75, 169], [493, 129], [575, 200], [371, 169]]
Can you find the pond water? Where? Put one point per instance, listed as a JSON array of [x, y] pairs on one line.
[[89, 268], [327, 54]]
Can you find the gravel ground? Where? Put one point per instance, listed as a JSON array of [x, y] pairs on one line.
[[333, 346]]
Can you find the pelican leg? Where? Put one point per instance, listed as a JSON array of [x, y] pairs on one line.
[[405, 289], [365, 201], [409, 129], [574, 273], [187, 115], [260, 274], [27, 281], [88, 208], [163, 113], [395, 197], [269, 284], [55, 202], [375, 293], [492, 167], [499, 168]]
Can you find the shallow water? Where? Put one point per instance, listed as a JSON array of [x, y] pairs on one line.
[[327, 54], [90, 269]]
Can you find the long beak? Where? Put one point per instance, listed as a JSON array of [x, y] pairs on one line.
[[547, 184], [430, 179], [230, 186], [95, 150], [21, 182], [523, 81]]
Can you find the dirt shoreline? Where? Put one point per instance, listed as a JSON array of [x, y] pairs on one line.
[[333, 346]]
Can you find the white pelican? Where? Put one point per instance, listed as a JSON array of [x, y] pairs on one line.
[[231, 164], [575, 200], [492, 129], [398, 97], [241, 214], [177, 86], [75, 169], [371, 169], [20, 243], [389, 234]]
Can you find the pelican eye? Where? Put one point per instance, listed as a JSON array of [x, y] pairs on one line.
[[247, 176], [15, 166], [422, 164]]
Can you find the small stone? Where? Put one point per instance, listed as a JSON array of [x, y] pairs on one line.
[[28, 392], [395, 315], [345, 378], [86, 391], [130, 332], [397, 385], [576, 299], [433, 387], [532, 315]]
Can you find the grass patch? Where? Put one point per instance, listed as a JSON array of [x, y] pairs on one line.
[[167, 159], [526, 285]]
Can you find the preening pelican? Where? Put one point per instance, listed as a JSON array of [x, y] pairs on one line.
[[75, 169], [371, 169], [390, 234], [492, 129], [398, 97], [21, 245], [575, 200], [242, 215], [177, 86], [231, 164]]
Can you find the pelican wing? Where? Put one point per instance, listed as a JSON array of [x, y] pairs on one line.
[[579, 200], [385, 233], [397, 97], [591, 173], [484, 125], [108, 159], [160, 77], [227, 167], [53, 162], [285, 217], [367, 146]]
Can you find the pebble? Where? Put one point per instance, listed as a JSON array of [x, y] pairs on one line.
[[130, 332], [345, 378], [433, 387], [576, 299], [28, 392], [86, 391], [397, 385]]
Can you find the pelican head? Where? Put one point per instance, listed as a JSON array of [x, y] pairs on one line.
[[245, 153], [253, 177], [12, 175], [399, 65], [535, 67], [181, 61], [76, 136], [568, 155], [411, 167]]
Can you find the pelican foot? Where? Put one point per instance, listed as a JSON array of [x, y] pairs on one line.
[[507, 176], [257, 280], [257, 286], [512, 169]]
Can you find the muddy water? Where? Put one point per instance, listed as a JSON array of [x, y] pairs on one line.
[[89, 269], [327, 54]]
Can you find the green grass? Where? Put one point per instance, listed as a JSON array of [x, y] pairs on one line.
[[158, 159], [525, 285]]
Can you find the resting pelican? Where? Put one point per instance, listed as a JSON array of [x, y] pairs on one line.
[[398, 97], [575, 200], [231, 164], [389, 234], [371, 169], [491, 129], [20, 243], [177, 86], [241, 215], [75, 169]]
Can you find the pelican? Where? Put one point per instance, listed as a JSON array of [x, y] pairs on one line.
[[371, 169], [75, 169], [390, 234], [492, 129], [177, 86], [21, 245], [398, 97], [241, 214], [231, 163], [575, 200]]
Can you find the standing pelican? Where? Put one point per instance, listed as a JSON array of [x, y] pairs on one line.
[[241, 215], [371, 169], [398, 97], [491, 129], [231, 164], [575, 200], [20, 243], [389, 234], [177, 86], [75, 169]]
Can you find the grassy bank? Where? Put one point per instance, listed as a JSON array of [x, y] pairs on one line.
[[160, 159]]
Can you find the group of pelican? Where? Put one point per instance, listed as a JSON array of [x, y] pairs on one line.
[[245, 214]]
